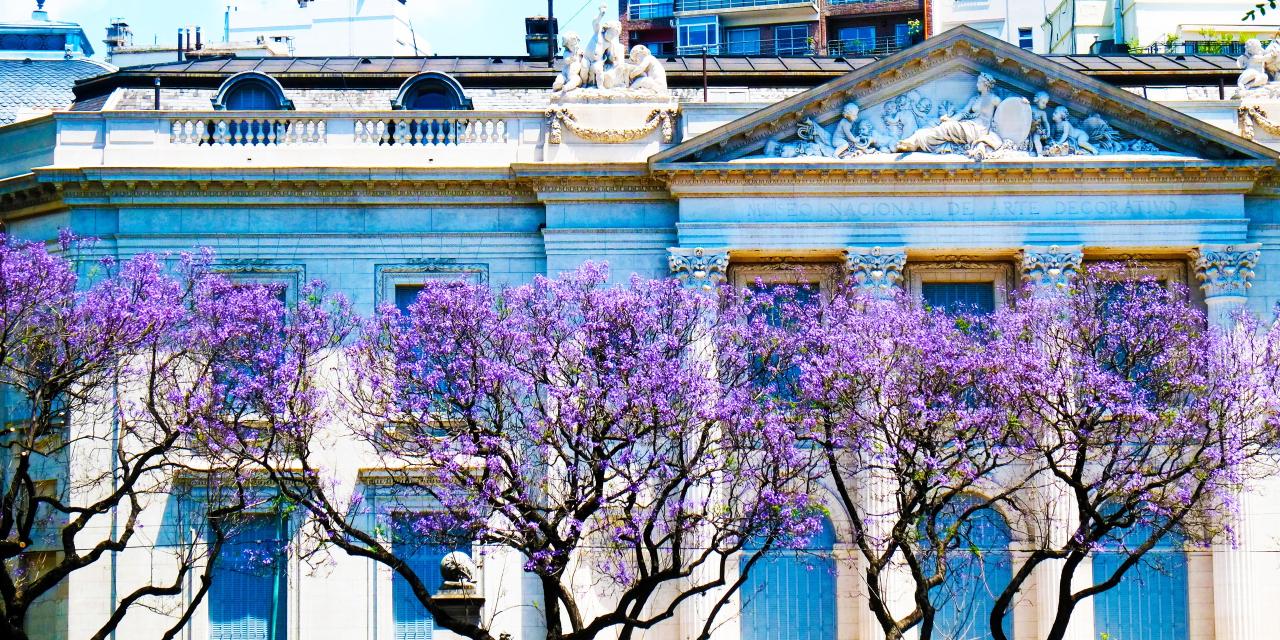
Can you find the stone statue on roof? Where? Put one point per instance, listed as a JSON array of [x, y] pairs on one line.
[[602, 71]]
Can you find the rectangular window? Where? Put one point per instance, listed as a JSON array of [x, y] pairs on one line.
[[792, 40], [248, 597], [1025, 40], [742, 42], [902, 34], [412, 620], [405, 295], [694, 35], [960, 297], [857, 40]]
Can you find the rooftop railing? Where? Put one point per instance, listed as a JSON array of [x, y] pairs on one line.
[[867, 46], [711, 5], [293, 138], [650, 10]]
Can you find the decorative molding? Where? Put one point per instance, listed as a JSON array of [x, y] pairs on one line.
[[418, 270], [265, 270], [999, 274], [1226, 270], [559, 118], [875, 270], [1051, 267], [701, 268], [827, 275]]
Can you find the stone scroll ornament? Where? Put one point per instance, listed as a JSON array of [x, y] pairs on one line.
[[876, 271], [1051, 268], [988, 126], [1226, 270], [603, 70], [699, 268]]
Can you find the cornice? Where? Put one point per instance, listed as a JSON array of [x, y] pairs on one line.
[[715, 179]]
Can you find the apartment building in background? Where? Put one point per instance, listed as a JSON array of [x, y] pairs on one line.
[[784, 28], [1173, 27]]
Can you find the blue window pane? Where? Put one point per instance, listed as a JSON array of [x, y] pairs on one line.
[[412, 620], [405, 295], [743, 42], [791, 595], [1150, 603], [960, 297], [791, 39], [251, 96], [247, 597], [979, 567]]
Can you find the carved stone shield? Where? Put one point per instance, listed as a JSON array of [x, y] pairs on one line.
[[1013, 120]]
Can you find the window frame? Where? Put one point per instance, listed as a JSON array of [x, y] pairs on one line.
[[708, 25], [1026, 38], [826, 275], [999, 274], [387, 277], [747, 47]]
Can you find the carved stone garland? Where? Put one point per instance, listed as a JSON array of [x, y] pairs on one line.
[[561, 118]]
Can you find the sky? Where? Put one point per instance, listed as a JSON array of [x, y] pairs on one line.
[[453, 27]]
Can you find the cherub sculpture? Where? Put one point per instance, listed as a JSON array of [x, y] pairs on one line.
[[645, 73], [575, 71], [1041, 129], [1070, 136], [1254, 62], [846, 130], [605, 55], [871, 140]]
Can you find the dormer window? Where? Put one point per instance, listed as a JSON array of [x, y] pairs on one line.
[[251, 91], [431, 91]]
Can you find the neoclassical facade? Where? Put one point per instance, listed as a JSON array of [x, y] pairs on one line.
[[956, 170]]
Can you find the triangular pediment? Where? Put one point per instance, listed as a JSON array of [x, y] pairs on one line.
[[964, 96]]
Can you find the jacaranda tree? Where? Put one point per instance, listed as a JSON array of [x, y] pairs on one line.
[[620, 439], [895, 398], [1145, 424]]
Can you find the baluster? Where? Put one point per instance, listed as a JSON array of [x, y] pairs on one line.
[[501, 130], [321, 132], [488, 130], [364, 131], [222, 132]]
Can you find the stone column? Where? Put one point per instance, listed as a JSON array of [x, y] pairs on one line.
[[1225, 272], [876, 270], [699, 268], [1048, 271]]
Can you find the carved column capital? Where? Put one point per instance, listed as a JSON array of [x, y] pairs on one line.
[[701, 268], [1226, 270], [876, 270], [1052, 267]]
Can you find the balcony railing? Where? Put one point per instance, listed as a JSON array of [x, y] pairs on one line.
[[711, 5], [1196, 48], [650, 10], [867, 46], [780, 48]]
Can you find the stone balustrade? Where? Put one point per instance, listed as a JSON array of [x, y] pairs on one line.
[[283, 139]]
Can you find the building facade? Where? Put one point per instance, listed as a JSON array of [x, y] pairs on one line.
[[378, 174], [793, 28]]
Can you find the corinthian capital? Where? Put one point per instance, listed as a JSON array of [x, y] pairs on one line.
[[875, 270], [1226, 269], [700, 268], [1050, 268]]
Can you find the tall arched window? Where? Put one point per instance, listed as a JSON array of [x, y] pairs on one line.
[[979, 567], [791, 594], [431, 91], [251, 91], [1150, 603]]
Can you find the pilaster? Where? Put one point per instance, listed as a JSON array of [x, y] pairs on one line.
[[1226, 273]]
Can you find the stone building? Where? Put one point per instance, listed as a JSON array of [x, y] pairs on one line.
[[378, 174]]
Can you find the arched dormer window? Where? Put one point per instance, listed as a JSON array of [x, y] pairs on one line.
[[251, 91], [431, 91]]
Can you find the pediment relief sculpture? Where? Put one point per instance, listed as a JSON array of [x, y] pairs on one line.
[[603, 70], [989, 124]]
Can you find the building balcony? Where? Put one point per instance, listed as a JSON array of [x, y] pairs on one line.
[[650, 10], [713, 6], [275, 139], [858, 47]]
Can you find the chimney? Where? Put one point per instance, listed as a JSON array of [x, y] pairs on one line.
[[40, 15], [180, 49], [198, 44]]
